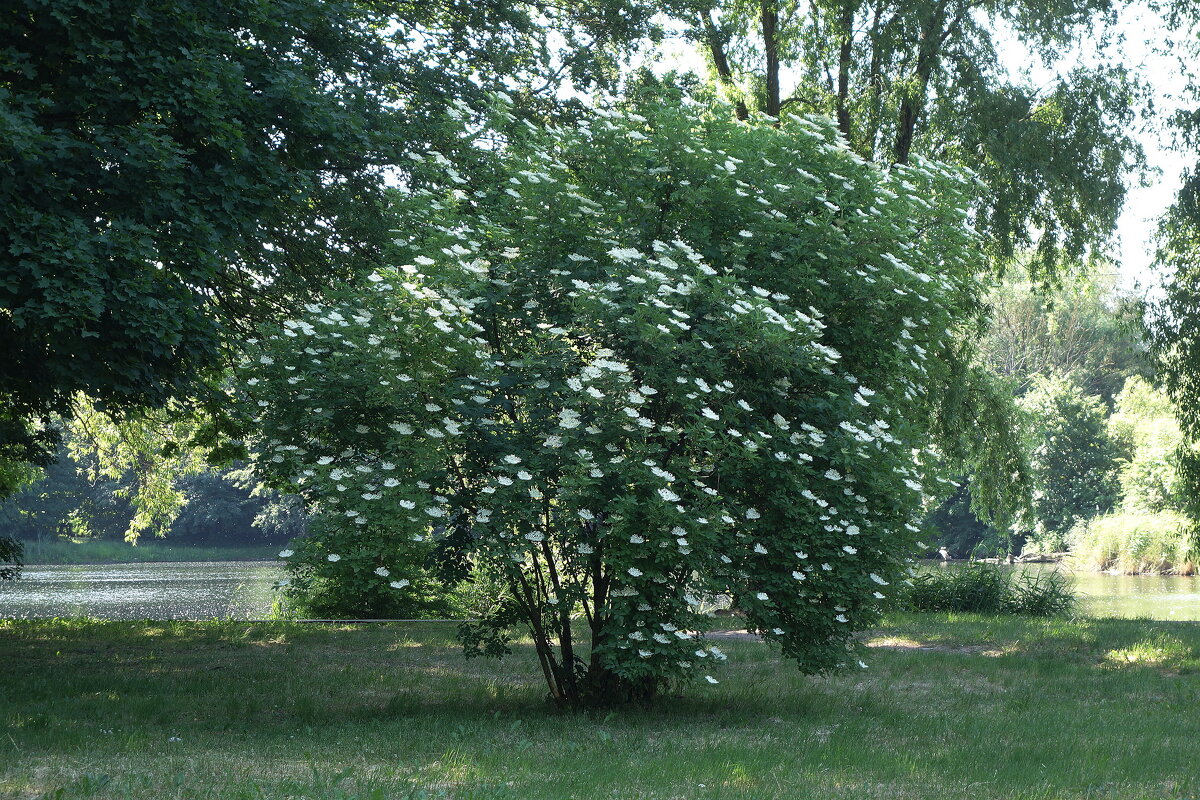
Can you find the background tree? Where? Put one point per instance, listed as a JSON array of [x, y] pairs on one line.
[[65, 503], [954, 526], [1082, 329], [73, 500], [1150, 531], [903, 77], [1075, 462], [1174, 323], [1145, 424]]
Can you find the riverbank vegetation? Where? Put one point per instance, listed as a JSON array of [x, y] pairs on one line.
[[67, 551], [1136, 542], [1104, 445], [952, 707], [988, 589]]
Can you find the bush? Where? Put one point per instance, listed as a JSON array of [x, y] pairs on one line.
[[1135, 542], [1040, 594], [989, 589], [10, 559], [322, 594], [618, 391], [335, 573]]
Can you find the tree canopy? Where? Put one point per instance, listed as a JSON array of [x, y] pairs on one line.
[[1174, 321], [174, 172], [1075, 460], [1083, 330], [906, 77]]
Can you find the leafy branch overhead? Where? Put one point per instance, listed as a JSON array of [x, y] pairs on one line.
[[906, 77], [177, 172]]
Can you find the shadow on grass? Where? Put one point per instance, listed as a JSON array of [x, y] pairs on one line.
[[214, 678], [284, 710], [218, 675]]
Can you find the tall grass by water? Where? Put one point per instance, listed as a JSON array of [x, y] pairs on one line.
[[989, 589], [64, 551], [1136, 542]]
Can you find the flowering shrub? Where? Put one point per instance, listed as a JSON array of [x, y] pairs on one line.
[[340, 571], [636, 364]]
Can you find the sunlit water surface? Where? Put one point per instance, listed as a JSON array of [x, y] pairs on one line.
[[177, 590], [243, 590]]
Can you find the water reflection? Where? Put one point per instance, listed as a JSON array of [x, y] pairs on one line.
[[242, 590], [201, 590], [1154, 596]]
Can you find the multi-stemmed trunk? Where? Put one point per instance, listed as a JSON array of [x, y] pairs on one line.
[[573, 680]]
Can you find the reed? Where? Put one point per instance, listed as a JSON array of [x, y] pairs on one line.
[[1136, 542], [989, 589]]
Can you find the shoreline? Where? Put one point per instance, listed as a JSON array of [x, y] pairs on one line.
[[1188, 570]]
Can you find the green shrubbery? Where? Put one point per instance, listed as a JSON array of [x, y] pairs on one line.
[[1134, 542], [479, 595], [988, 589], [652, 395], [10, 559]]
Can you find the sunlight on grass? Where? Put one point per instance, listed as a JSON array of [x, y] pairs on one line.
[[1158, 651], [207, 712], [893, 641]]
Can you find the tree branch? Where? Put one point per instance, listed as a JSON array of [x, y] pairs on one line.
[[716, 46]]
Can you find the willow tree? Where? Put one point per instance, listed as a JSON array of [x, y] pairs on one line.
[[1087, 331], [908, 77]]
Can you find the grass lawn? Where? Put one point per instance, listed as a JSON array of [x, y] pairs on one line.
[[951, 707], [102, 552]]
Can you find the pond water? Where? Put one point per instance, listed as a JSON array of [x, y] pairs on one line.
[[1153, 596], [198, 590], [242, 590]]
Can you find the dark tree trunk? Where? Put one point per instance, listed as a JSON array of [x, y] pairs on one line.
[[770, 22], [875, 79], [843, 85], [933, 36]]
